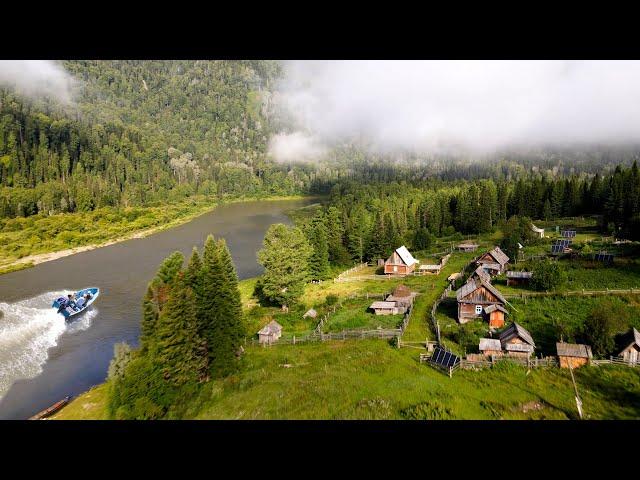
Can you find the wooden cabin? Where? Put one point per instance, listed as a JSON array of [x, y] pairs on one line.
[[490, 346], [517, 341], [493, 261], [538, 231], [480, 273], [518, 278], [468, 247], [573, 355], [386, 308], [270, 332], [474, 296], [402, 296], [631, 347], [494, 315], [401, 262]]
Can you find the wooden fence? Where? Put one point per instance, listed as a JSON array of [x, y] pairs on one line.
[[572, 293], [614, 361]]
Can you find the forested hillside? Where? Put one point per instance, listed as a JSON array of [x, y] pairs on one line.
[[139, 133]]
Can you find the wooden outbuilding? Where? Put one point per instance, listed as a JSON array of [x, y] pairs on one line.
[[403, 298], [468, 247], [270, 332], [494, 315], [474, 296], [311, 313], [573, 355], [490, 346], [385, 308], [429, 269], [631, 347], [517, 341], [493, 261], [515, 277], [401, 262]]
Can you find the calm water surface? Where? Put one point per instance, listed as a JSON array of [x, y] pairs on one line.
[[42, 360]]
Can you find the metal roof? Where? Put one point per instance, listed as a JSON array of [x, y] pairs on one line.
[[573, 350], [406, 257], [489, 344], [536, 229]]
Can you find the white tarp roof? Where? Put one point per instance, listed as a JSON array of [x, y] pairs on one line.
[[406, 257]]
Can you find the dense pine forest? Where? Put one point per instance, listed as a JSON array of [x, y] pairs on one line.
[[142, 133]]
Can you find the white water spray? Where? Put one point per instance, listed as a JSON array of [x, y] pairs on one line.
[[28, 329]]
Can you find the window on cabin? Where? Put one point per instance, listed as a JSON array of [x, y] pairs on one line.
[[478, 309], [395, 268]]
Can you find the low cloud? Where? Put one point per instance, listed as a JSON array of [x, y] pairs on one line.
[[36, 78], [436, 106], [295, 147]]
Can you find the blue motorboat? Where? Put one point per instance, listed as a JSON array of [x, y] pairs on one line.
[[82, 301]]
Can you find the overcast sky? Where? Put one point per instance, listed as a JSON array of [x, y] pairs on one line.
[[443, 105]]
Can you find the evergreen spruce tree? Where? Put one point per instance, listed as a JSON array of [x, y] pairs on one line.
[[212, 284], [319, 261], [177, 346], [156, 295]]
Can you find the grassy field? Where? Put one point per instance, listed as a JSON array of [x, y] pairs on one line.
[[369, 379]]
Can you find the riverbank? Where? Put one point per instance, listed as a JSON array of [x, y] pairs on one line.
[[29, 241]]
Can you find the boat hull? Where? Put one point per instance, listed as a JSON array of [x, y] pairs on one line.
[[69, 312]]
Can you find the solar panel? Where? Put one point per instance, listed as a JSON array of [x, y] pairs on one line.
[[604, 257], [444, 358], [568, 233], [557, 249], [564, 243]]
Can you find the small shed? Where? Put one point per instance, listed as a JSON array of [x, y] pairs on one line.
[[468, 247], [490, 346], [538, 231], [270, 332], [401, 262], [517, 341], [402, 296], [311, 313], [573, 355], [385, 308], [518, 278], [631, 347], [429, 269], [494, 314]]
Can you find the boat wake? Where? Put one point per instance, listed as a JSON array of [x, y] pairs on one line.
[[28, 329]]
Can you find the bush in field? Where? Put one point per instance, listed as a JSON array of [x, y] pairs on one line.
[[331, 299], [467, 337], [604, 322], [548, 275]]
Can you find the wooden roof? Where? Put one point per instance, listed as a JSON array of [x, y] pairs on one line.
[[310, 313], [382, 305], [490, 344], [475, 283], [480, 272], [494, 307], [519, 274], [573, 350], [468, 245], [515, 329], [401, 291], [499, 255], [630, 338], [270, 328]]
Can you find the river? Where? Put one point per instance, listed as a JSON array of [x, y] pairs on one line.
[[43, 360]]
